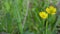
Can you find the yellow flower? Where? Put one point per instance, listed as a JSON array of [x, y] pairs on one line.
[[51, 10], [43, 15]]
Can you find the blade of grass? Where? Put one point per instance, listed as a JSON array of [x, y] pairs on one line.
[[17, 10]]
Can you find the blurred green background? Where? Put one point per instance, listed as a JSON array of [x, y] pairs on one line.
[[22, 16]]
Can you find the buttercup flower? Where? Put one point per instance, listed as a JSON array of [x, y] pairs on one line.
[[43, 15], [51, 10]]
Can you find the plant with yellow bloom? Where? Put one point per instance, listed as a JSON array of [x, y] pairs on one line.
[[51, 10], [48, 22], [43, 15]]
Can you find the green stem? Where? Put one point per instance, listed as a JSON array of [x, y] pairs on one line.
[[46, 27], [43, 25]]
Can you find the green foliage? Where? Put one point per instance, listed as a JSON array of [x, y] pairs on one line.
[[22, 17]]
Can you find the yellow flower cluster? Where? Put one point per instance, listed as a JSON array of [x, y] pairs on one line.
[[49, 10]]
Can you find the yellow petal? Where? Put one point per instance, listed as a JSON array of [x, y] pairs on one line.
[[47, 10]]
